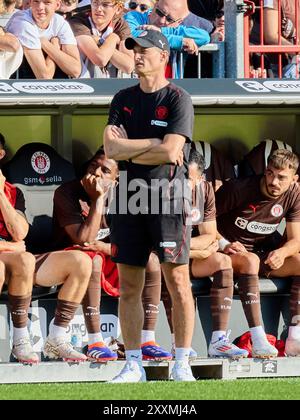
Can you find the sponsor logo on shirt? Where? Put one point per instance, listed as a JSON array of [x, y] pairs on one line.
[[129, 110], [241, 223], [159, 123], [253, 207], [277, 210], [40, 162], [261, 228], [256, 227]]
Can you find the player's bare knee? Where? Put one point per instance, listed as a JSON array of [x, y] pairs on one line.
[[221, 262], [130, 291], [24, 265], [249, 263], [179, 287], [82, 266]]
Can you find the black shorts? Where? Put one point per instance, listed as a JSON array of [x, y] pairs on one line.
[[134, 237], [264, 269]]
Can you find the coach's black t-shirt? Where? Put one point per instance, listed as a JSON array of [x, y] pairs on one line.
[[154, 115]]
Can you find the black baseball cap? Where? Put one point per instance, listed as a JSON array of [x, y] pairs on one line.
[[149, 39]]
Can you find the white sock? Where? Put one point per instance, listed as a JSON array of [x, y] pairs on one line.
[[182, 354], [258, 335], [216, 335], [95, 338], [134, 355], [55, 331], [147, 336], [19, 333], [294, 332]]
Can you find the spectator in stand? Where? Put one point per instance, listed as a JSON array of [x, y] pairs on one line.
[[9, 8], [11, 54], [50, 47], [285, 35], [212, 10], [25, 5], [141, 6], [184, 30], [100, 39], [67, 8]]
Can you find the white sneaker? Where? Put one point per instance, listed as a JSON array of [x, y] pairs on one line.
[[264, 351], [131, 372], [224, 348], [292, 347], [60, 348], [22, 350], [182, 372]]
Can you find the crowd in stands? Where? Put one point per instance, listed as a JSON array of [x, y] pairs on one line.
[[90, 43], [62, 40]]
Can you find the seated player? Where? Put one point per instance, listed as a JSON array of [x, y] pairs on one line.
[[80, 219], [249, 211], [16, 267], [72, 270], [206, 261]]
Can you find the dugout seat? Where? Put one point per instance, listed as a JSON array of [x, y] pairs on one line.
[[37, 170]]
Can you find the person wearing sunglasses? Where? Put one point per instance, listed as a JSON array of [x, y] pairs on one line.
[[185, 31], [141, 6], [100, 37]]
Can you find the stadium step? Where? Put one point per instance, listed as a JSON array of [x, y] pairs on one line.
[[50, 372]]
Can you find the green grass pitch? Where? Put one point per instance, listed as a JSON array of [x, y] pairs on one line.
[[266, 389]]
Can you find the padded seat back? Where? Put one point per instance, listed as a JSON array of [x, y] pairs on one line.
[[37, 170]]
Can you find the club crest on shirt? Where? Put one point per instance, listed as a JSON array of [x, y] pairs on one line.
[[161, 112], [277, 210], [196, 216]]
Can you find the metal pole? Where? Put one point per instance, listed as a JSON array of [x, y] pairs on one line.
[[234, 39]]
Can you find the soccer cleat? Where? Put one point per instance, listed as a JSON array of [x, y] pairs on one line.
[[182, 372], [224, 348], [264, 351], [152, 351], [292, 347], [22, 350], [131, 372], [98, 352], [60, 348], [193, 354]]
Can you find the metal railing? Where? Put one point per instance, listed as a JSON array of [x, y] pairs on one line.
[[262, 48]]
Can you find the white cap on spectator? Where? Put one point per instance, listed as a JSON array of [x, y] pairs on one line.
[[10, 62]]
